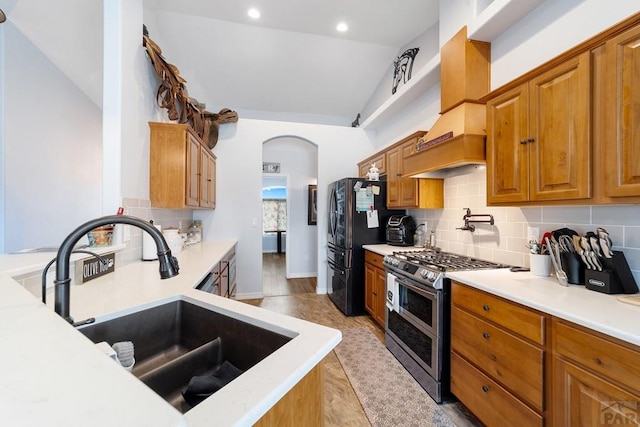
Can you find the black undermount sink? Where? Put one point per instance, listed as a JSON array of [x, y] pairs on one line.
[[179, 340]]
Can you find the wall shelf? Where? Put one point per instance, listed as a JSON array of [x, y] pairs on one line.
[[492, 19]]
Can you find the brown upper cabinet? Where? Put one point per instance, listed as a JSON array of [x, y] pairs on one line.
[[379, 159], [538, 137], [566, 132], [404, 192], [622, 143], [182, 168]]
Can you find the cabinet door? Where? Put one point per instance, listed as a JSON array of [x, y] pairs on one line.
[[207, 179], [581, 398], [380, 297], [560, 137], [394, 159], [193, 172], [622, 145], [408, 186], [507, 147], [369, 288]]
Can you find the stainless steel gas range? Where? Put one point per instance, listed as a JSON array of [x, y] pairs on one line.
[[417, 329]]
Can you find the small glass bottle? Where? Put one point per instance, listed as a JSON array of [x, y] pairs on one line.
[[432, 239]]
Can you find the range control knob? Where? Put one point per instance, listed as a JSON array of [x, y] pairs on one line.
[[432, 276]]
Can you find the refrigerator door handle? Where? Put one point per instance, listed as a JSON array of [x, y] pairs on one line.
[[335, 268]]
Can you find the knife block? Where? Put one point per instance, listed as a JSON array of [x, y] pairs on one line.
[[615, 278]]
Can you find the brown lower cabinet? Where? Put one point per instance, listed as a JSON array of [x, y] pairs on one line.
[[303, 405], [512, 365], [375, 287], [596, 379], [493, 364]]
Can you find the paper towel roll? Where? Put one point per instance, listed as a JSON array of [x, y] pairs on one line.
[[149, 248]]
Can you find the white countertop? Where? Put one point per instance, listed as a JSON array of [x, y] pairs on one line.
[[600, 312], [51, 375]]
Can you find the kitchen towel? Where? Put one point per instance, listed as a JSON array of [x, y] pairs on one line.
[[393, 302]]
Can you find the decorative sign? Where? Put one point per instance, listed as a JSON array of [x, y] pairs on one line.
[[91, 268], [423, 145], [268, 167], [402, 67]]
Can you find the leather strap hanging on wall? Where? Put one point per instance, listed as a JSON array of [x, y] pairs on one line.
[[172, 94]]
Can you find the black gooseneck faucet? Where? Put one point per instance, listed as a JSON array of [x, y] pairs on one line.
[[168, 263]]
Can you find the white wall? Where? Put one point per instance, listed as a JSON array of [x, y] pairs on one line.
[[299, 162], [52, 148], [538, 37], [239, 208]]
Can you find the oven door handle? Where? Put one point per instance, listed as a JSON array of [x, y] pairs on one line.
[[403, 281]]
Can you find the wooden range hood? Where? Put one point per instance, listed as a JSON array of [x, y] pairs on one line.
[[458, 136]]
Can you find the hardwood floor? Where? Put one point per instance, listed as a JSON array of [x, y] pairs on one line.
[[298, 298]]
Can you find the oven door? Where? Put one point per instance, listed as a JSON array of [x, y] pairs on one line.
[[415, 326]]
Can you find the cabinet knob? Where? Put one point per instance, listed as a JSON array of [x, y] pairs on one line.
[[485, 307], [375, 294], [530, 139], [599, 362], [485, 335], [523, 141], [485, 388], [493, 357]]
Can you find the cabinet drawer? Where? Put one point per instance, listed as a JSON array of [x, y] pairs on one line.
[[374, 258], [519, 319], [491, 403], [511, 361], [613, 360]]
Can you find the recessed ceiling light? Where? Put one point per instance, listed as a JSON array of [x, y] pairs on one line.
[[342, 27], [253, 13]]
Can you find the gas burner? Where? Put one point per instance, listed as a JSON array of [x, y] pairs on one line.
[[445, 261]]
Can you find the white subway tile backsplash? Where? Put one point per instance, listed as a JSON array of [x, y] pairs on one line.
[[505, 242], [631, 237], [566, 214], [616, 215]]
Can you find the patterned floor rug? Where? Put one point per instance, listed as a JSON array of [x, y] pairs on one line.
[[388, 393]]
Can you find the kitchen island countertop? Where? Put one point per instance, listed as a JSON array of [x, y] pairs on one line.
[[52, 375]]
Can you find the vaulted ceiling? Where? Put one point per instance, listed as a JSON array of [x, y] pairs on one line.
[[291, 62]]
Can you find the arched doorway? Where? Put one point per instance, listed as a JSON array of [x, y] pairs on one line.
[[297, 159]]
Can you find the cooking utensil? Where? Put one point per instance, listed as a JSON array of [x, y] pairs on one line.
[[554, 249], [566, 243], [545, 242], [605, 242], [586, 248], [595, 245]]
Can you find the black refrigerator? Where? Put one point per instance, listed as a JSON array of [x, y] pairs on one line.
[[350, 227]]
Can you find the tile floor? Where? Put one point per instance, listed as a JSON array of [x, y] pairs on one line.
[[297, 297]]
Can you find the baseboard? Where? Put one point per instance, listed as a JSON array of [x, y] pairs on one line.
[[249, 295], [321, 290], [302, 275]]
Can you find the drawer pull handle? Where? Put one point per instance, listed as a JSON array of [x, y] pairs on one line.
[[485, 388], [485, 335], [485, 307]]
